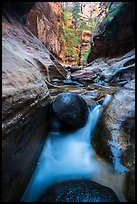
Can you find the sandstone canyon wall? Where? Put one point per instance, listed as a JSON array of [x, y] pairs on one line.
[[43, 21], [26, 70]]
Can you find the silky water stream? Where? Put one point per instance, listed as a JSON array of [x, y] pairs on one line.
[[70, 155]]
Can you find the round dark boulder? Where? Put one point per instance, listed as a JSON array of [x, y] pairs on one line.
[[78, 191], [71, 109]]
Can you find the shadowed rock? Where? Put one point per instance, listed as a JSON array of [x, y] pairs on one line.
[[116, 33], [20, 8], [79, 191], [71, 109], [114, 138]]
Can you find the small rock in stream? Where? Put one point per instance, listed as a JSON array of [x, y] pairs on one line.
[[70, 82]]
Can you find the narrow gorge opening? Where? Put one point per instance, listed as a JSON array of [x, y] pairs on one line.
[[77, 25]]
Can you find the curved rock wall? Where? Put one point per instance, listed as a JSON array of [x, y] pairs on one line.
[[25, 99], [26, 70]]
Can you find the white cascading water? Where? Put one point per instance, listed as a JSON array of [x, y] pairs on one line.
[[66, 156]]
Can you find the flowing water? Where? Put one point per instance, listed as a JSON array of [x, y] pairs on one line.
[[69, 155]]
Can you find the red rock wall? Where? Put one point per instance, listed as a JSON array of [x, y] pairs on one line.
[[43, 21]]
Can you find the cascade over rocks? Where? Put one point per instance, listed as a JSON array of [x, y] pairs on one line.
[[71, 109]]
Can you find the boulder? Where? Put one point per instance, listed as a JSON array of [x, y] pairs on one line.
[[114, 137], [71, 109], [115, 70], [83, 75], [79, 191]]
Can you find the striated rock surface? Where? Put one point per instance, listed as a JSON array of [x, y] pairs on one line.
[[25, 99], [43, 21], [84, 75], [114, 138], [26, 71], [116, 34], [20, 40], [79, 191], [116, 70]]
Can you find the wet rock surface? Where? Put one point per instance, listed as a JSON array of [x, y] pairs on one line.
[[111, 70], [129, 184], [26, 68], [71, 109], [25, 99], [79, 191], [91, 93], [114, 138]]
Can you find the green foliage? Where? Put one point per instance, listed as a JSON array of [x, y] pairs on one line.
[[61, 30], [86, 52], [112, 14], [69, 52], [64, 17], [85, 26], [107, 4], [93, 22], [70, 37]]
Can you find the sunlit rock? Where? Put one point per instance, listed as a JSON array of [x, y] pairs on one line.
[[43, 21]]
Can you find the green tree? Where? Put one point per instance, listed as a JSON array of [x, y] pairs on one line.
[[64, 17], [75, 14]]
